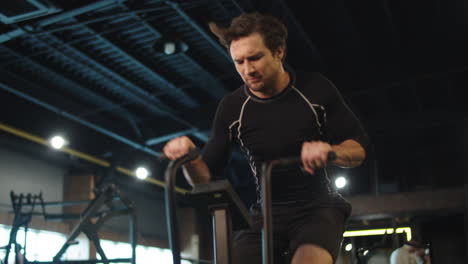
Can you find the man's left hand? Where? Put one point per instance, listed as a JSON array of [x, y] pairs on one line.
[[314, 155]]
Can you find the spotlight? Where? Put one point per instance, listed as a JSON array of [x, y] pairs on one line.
[[170, 45], [340, 182], [349, 247], [169, 48], [57, 142], [141, 173]]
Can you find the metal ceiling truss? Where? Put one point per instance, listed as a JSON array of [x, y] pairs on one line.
[[71, 59], [116, 65], [207, 48], [30, 67], [111, 54], [57, 18], [108, 4], [142, 38], [199, 30]]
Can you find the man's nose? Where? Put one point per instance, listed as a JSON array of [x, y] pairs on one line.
[[249, 68]]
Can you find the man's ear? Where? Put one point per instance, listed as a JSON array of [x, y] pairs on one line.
[[280, 52]]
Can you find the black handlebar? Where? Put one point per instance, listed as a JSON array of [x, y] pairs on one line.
[[170, 198], [298, 161], [266, 201]]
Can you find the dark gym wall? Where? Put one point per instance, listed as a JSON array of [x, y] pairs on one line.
[[448, 239], [25, 174]]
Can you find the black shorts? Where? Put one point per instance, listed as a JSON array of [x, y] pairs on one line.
[[294, 224]]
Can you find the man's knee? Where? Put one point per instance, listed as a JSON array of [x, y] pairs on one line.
[[311, 254]]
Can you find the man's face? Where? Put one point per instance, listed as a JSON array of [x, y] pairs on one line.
[[255, 63]]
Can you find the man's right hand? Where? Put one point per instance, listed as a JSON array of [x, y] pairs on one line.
[[196, 170], [178, 147]]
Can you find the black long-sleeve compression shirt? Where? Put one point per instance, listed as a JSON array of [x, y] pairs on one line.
[[310, 108]]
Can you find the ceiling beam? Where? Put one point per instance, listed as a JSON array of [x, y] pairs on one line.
[[216, 89], [217, 47]]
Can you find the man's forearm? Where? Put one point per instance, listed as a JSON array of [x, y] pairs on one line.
[[196, 171], [349, 154]]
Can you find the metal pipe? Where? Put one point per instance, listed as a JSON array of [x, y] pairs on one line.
[[78, 11], [65, 15], [11, 35]]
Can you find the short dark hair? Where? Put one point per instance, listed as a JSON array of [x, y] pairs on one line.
[[272, 30]]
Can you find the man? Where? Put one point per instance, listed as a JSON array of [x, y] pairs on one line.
[[279, 113]]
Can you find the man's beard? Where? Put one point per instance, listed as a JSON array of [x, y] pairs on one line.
[[264, 86], [257, 87]]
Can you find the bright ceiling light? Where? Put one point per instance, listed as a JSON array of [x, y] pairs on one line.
[[169, 45], [57, 142], [141, 173], [340, 182], [169, 48], [349, 247]]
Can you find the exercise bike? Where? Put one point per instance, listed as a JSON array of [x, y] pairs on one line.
[[223, 202]]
